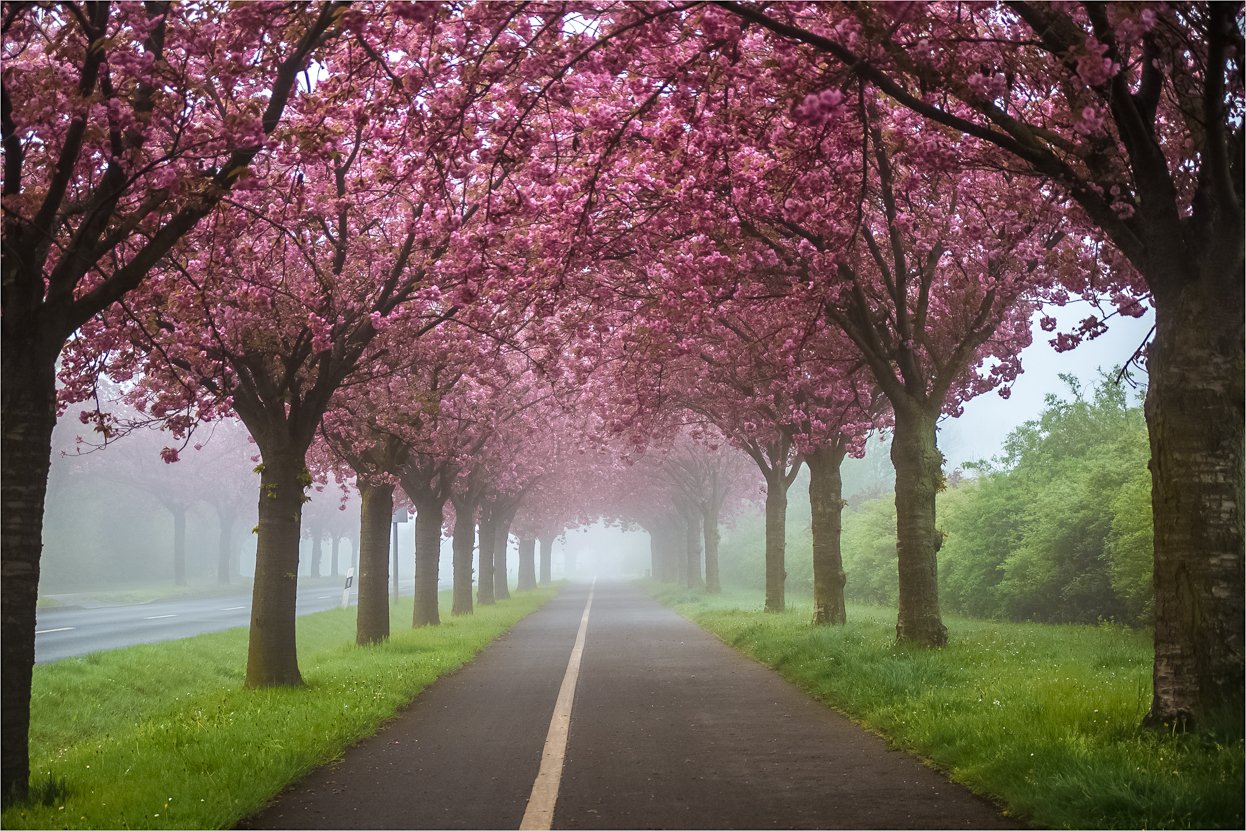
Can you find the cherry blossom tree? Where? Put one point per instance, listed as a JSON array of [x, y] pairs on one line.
[[122, 126], [1134, 112]]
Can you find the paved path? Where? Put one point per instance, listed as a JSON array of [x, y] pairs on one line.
[[670, 728]]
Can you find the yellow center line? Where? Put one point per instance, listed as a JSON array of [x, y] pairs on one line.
[[540, 812]]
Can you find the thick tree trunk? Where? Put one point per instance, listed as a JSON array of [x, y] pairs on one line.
[[692, 547], [547, 559], [709, 516], [179, 544], [501, 584], [429, 515], [1194, 410], [464, 542], [776, 541], [826, 507], [484, 572], [375, 514], [225, 553], [272, 654], [28, 392], [919, 476], [527, 564]]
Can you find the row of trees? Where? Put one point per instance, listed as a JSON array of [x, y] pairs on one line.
[[472, 250]]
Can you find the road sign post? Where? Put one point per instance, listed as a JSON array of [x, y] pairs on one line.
[[350, 578]]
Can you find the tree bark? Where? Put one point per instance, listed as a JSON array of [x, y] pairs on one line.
[[29, 415], [692, 547], [501, 584], [464, 542], [527, 564], [375, 513], [429, 515], [547, 559], [776, 540], [1196, 368], [272, 655], [484, 572], [919, 476], [826, 507]]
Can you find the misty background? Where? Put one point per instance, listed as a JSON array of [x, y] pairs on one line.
[[109, 524]]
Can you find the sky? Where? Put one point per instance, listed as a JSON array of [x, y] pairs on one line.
[[988, 419]]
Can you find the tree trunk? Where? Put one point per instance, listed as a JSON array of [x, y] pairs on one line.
[[547, 559], [375, 514], [28, 392], [179, 544], [826, 507], [429, 515], [272, 655], [1194, 410], [501, 583], [692, 547], [488, 541], [225, 553], [709, 518], [527, 564], [776, 540], [464, 542], [919, 476]]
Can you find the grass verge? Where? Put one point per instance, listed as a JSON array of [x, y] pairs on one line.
[[1043, 719], [165, 736]]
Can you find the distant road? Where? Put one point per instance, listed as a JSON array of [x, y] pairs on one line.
[[66, 632]]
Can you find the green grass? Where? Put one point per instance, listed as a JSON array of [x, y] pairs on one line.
[[165, 736], [1043, 719]]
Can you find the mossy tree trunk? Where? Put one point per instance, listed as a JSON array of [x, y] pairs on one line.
[[272, 655], [375, 512], [527, 564], [826, 506], [430, 513], [919, 477], [488, 541], [1196, 367], [464, 543], [29, 416]]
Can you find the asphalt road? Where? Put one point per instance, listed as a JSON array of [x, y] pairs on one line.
[[62, 632], [670, 728]]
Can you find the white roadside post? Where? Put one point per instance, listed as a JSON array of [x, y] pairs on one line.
[[350, 578]]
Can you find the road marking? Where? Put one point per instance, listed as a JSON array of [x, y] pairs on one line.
[[540, 812], [324, 597], [45, 631], [233, 608], [158, 617]]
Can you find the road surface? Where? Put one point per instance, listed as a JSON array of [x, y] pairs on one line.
[[669, 728], [65, 632]]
